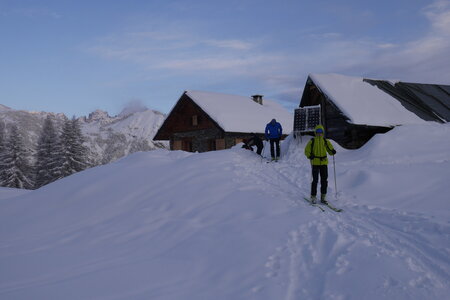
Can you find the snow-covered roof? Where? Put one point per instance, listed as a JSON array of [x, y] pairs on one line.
[[362, 102], [241, 114]]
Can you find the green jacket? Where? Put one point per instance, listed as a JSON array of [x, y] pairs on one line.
[[318, 155]]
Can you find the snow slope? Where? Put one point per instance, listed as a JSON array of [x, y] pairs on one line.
[[227, 225]]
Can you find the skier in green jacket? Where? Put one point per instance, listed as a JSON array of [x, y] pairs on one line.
[[316, 151]]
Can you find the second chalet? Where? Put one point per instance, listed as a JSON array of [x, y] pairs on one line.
[[354, 109], [206, 121]]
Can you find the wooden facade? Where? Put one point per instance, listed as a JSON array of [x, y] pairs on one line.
[[337, 125], [191, 129]]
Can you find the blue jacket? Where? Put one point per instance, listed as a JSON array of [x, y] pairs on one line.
[[274, 130]]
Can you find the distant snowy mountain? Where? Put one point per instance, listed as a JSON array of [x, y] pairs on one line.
[[107, 138], [110, 138]]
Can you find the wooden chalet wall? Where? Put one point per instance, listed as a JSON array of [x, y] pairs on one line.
[[191, 129], [337, 126]]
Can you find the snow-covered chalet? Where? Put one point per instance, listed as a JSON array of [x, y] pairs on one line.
[[354, 109], [205, 121]]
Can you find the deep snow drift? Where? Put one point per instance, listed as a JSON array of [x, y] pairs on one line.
[[227, 225]]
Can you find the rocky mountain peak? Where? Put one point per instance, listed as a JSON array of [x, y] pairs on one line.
[[4, 107], [108, 138], [98, 115]]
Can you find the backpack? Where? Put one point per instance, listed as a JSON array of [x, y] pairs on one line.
[[312, 148]]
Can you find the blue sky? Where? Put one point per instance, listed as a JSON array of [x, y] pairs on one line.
[[78, 56]]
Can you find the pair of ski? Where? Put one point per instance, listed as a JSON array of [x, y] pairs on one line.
[[268, 161], [272, 161], [319, 205]]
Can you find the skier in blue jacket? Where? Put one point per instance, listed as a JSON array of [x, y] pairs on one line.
[[273, 134]]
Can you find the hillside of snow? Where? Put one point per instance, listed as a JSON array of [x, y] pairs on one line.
[[227, 225]]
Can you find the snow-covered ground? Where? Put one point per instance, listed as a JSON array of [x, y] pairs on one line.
[[226, 225]]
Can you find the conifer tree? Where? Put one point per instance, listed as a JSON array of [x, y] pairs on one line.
[[2, 137], [65, 141], [80, 160], [14, 162], [48, 155], [2, 151], [74, 158]]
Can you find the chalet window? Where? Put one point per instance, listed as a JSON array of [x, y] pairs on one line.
[[194, 120]]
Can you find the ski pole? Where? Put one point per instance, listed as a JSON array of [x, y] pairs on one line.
[[335, 184]]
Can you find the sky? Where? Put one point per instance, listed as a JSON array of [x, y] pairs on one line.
[[78, 56]]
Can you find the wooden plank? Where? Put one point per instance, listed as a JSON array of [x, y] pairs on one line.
[[177, 145], [220, 144]]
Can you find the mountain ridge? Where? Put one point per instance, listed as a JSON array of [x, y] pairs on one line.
[[107, 138]]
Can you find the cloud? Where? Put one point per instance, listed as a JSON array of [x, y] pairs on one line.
[[424, 59], [386, 45], [132, 106], [181, 52], [231, 44], [439, 15], [281, 71]]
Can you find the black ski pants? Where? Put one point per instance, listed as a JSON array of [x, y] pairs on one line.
[[259, 149], [323, 171], [275, 142]]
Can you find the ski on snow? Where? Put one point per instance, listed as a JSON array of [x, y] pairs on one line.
[[270, 161], [332, 207], [319, 205], [313, 204]]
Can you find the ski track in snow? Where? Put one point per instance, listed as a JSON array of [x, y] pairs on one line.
[[322, 248]]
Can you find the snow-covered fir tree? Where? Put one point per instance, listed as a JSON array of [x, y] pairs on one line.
[[48, 155], [74, 158], [2, 137], [2, 150], [14, 163], [80, 161]]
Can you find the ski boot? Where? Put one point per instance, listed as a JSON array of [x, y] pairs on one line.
[[323, 199], [313, 199]]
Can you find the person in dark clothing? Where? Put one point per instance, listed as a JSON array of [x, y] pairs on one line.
[[255, 141], [273, 134]]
